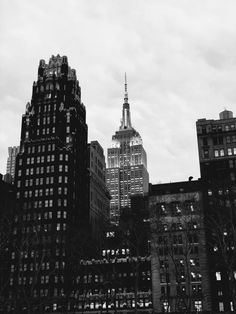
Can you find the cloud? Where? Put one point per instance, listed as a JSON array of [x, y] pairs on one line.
[[179, 57]]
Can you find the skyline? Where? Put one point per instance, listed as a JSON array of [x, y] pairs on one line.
[[179, 59]]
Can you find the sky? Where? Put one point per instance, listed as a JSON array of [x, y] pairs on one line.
[[179, 56]]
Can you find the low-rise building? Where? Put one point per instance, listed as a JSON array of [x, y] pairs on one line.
[[180, 280]]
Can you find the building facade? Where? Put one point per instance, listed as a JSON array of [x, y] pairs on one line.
[[99, 198], [51, 189], [7, 209], [126, 172], [217, 156], [180, 280], [11, 163], [112, 285]]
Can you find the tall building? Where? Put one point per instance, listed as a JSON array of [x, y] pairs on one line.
[[11, 162], [52, 190], [127, 164], [217, 156], [180, 279], [98, 194]]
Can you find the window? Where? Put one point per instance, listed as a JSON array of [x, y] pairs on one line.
[[218, 276], [198, 306], [231, 306], [229, 151], [221, 306], [209, 192], [235, 274]]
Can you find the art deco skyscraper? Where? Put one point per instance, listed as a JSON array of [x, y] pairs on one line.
[[52, 184], [127, 164]]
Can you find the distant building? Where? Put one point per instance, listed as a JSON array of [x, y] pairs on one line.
[[98, 194], [180, 281], [127, 165], [11, 163], [217, 157]]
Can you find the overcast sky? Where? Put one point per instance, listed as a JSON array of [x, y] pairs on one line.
[[180, 59]]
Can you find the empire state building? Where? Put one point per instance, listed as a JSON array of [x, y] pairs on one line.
[[126, 173]]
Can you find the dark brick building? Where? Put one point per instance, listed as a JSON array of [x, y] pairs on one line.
[[180, 281], [217, 156]]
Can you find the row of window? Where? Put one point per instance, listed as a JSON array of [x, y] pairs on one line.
[[197, 306], [40, 159], [38, 228], [117, 252], [219, 276], [39, 149], [42, 170], [46, 131], [42, 181], [221, 152], [35, 253], [178, 226], [39, 216], [217, 128], [46, 120], [175, 208]]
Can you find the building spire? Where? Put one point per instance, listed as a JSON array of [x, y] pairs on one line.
[[126, 119], [126, 92]]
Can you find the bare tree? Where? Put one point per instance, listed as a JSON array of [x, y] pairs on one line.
[[222, 243], [174, 237]]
